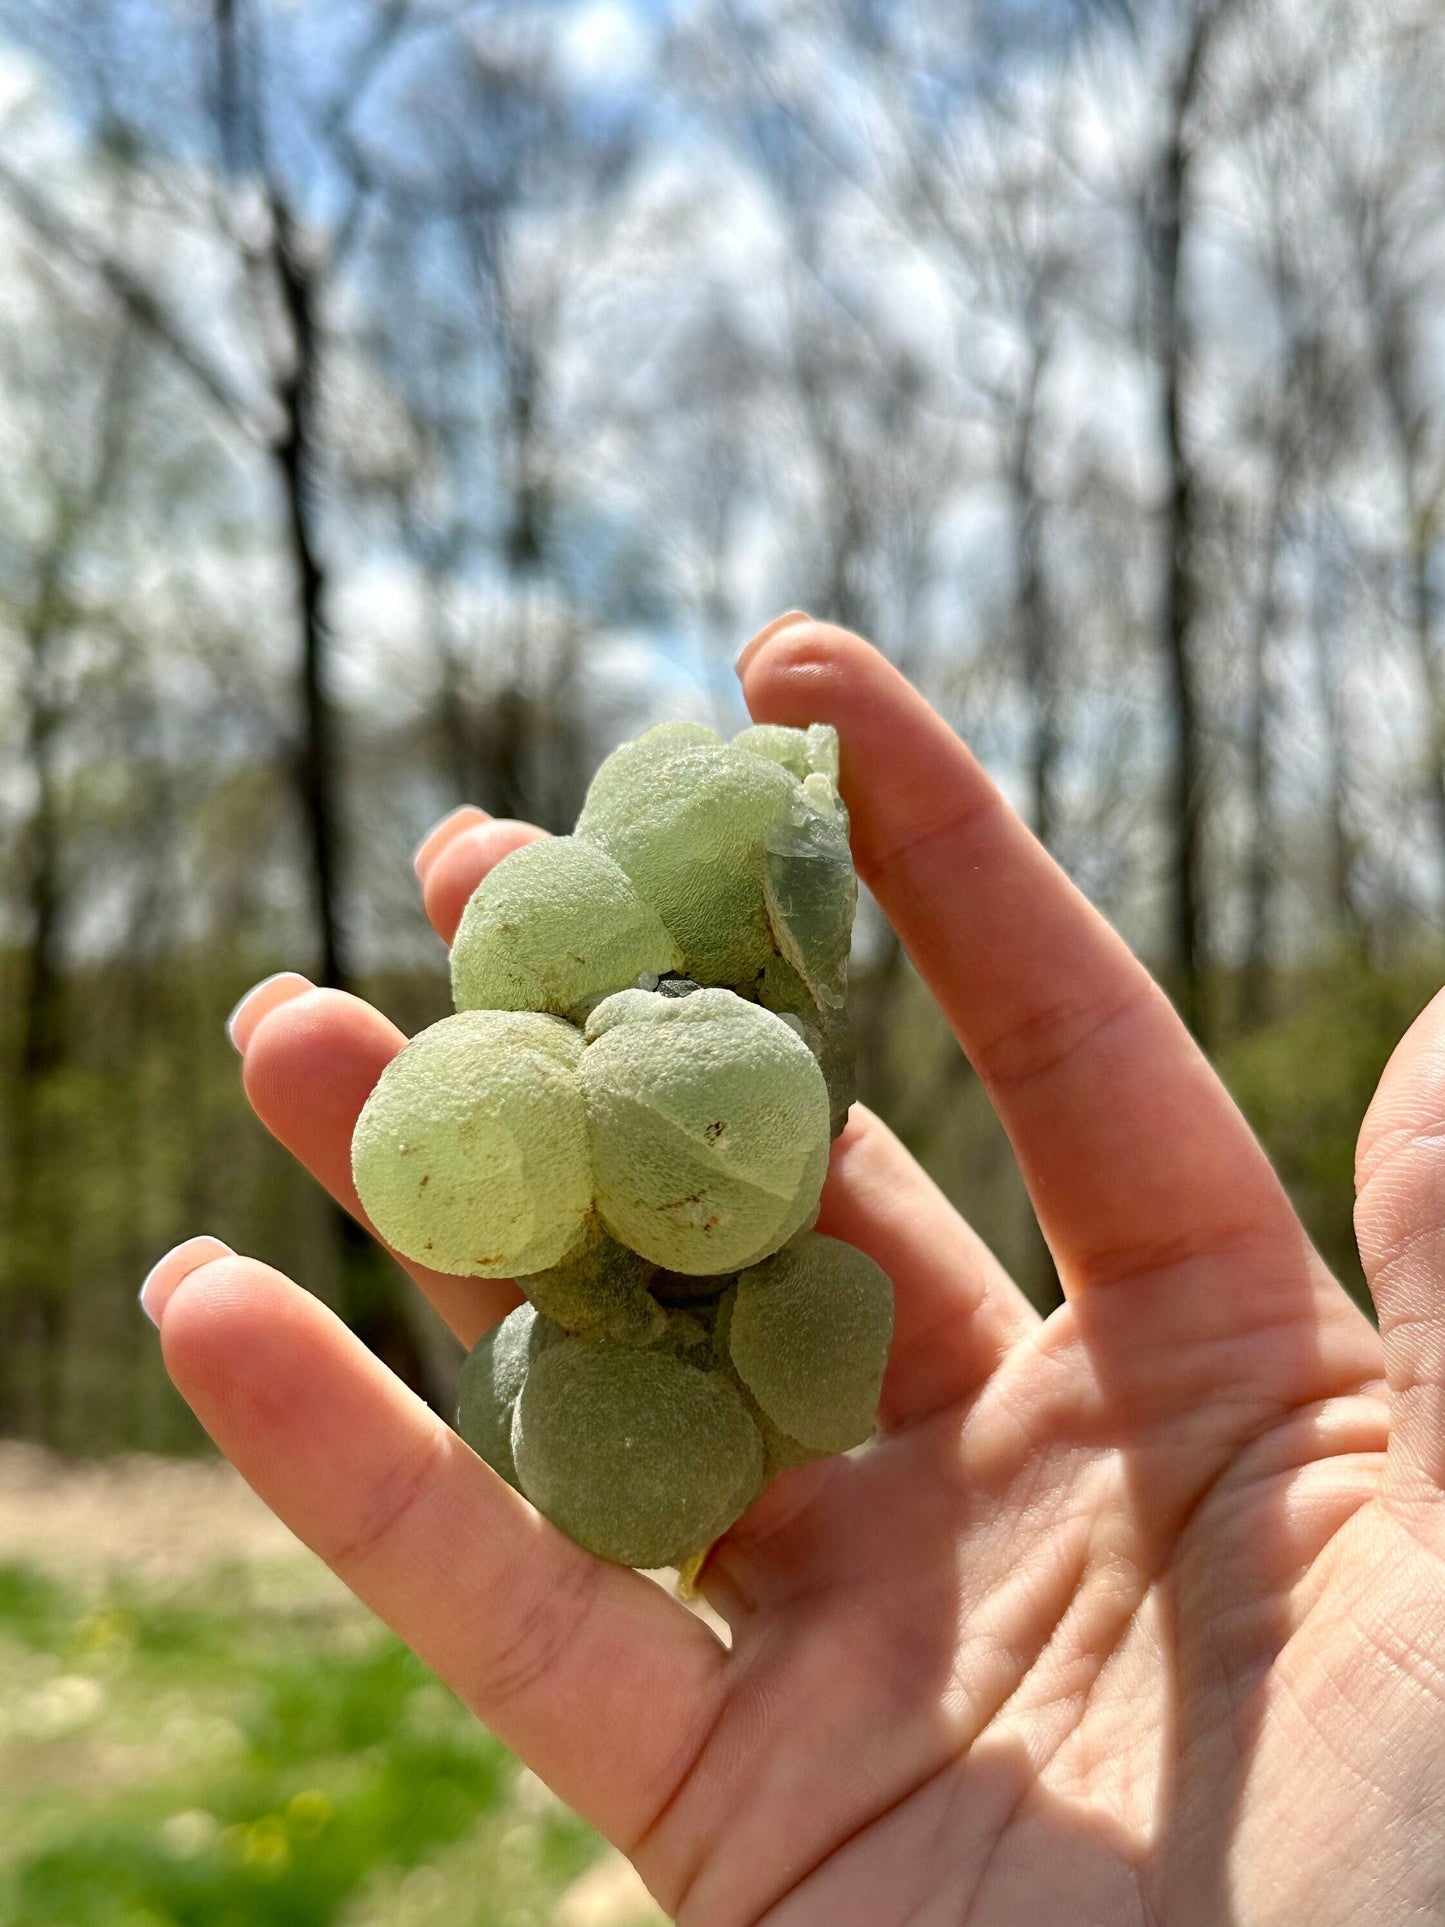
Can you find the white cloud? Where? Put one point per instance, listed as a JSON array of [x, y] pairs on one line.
[[604, 43], [20, 81]]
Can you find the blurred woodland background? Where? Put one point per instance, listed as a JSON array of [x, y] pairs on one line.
[[402, 401]]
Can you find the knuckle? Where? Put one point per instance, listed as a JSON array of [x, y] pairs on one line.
[[1043, 1040], [374, 1529]]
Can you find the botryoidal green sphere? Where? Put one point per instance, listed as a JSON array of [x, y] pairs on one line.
[[470, 1156], [808, 1332], [805, 752], [598, 1287], [636, 1454], [491, 1381], [685, 821], [555, 926], [708, 1120]]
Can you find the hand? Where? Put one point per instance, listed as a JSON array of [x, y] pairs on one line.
[[1134, 1614]]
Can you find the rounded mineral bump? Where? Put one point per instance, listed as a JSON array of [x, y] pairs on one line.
[[686, 824], [776, 743], [806, 752], [491, 1381], [633, 1453], [808, 1332], [708, 1120], [618, 773], [600, 1287], [555, 925], [470, 1155]]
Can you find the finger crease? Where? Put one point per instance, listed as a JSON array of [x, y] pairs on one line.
[[538, 1634], [1041, 1043], [387, 1518], [961, 825]]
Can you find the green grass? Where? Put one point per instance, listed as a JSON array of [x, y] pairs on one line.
[[245, 1751]]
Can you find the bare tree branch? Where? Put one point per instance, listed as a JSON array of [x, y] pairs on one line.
[[139, 302]]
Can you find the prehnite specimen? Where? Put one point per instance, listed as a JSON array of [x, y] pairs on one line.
[[630, 1114]]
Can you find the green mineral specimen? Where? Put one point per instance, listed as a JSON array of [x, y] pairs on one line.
[[631, 1114], [810, 891], [686, 824], [804, 752], [599, 1287]]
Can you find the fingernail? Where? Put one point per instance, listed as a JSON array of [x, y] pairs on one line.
[[260, 1000], [167, 1273], [440, 834], [754, 643]]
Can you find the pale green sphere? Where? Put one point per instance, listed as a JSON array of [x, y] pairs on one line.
[[470, 1155], [618, 775], [708, 1119], [808, 1332], [553, 927], [686, 824], [491, 1381], [599, 1287], [636, 1454]]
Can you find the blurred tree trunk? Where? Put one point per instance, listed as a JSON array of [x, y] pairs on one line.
[[297, 459], [846, 521], [38, 1277], [1178, 607], [78, 506], [1408, 424], [283, 262], [454, 714], [1421, 551], [299, 274], [1398, 322], [1348, 916], [1262, 870], [41, 1028], [40, 1223], [1038, 639]]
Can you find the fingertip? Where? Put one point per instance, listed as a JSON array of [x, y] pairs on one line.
[[769, 629], [167, 1273], [1410, 1096], [808, 672], [467, 816], [314, 1047], [282, 987], [247, 1349], [201, 1301], [460, 866]]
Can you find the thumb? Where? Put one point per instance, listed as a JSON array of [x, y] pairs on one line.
[[1400, 1225]]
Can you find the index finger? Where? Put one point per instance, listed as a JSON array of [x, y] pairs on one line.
[[1136, 1158]]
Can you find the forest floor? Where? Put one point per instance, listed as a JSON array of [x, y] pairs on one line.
[[199, 1723]]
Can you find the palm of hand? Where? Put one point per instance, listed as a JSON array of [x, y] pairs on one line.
[[1131, 1616], [1071, 1663]]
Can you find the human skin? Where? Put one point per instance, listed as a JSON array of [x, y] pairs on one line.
[[1134, 1614]]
